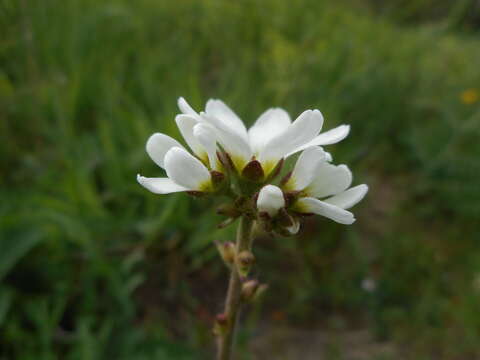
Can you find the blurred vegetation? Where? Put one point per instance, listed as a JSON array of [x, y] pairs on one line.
[[92, 266]]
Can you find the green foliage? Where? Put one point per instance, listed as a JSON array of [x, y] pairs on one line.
[[92, 266]]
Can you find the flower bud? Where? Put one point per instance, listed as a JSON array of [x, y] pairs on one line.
[[253, 171], [227, 251], [260, 291], [270, 200], [221, 319], [221, 324], [245, 259], [249, 288]]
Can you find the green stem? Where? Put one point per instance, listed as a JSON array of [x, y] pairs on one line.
[[233, 300]]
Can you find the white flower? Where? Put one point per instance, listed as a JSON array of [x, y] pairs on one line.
[[314, 178], [185, 172], [270, 200], [272, 137]]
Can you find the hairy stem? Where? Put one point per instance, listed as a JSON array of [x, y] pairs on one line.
[[233, 300]]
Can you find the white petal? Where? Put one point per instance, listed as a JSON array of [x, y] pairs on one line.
[[270, 200], [312, 205], [218, 109], [160, 185], [186, 170], [158, 145], [300, 132], [185, 108], [349, 198], [305, 168], [235, 145], [329, 180], [206, 136], [185, 124], [294, 228], [270, 124], [327, 138]]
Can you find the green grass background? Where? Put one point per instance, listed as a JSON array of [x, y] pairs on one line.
[[92, 266]]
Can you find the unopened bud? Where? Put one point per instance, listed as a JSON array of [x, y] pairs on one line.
[[221, 324], [252, 290], [260, 291], [245, 260], [270, 200], [253, 171], [249, 288], [222, 319], [227, 251]]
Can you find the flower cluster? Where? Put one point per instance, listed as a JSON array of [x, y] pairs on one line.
[[248, 166]]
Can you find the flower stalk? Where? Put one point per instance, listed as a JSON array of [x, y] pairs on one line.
[[233, 301], [226, 160]]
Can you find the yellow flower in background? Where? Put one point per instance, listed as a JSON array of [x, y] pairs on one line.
[[470, 96]]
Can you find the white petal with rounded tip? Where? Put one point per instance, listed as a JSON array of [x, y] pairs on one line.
[[185, 107], [305, 168], [327, 138], [235, 145], [270, 200], [186, 170], [270, 124], [160, 185], [349, 198], [329, 180], [294, 228], [158, 145], [205, 135], [312, 205], [185, 124], [218, 109], [300, 132]]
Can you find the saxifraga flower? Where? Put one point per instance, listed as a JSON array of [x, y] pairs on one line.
[[316, 186], [224, 149], [272, 137]]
